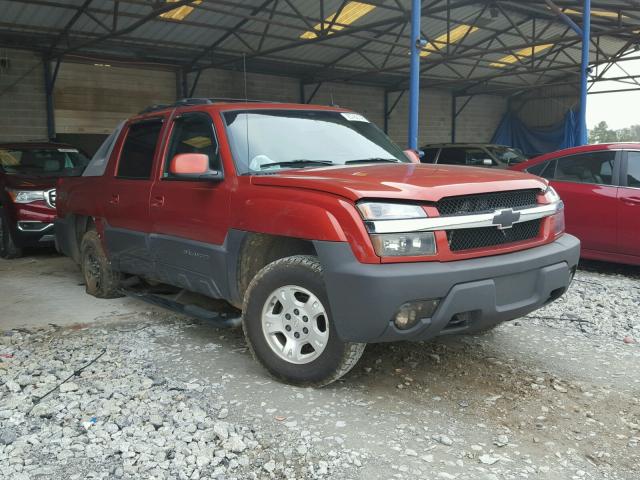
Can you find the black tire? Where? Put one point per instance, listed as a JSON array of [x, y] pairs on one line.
[[336, 359], [8, 248], [101, 280]]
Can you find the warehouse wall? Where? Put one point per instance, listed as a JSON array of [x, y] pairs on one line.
[[92, 100], [22, 98], [545, 108], [477, 122]]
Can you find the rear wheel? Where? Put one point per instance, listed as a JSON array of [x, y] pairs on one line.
[[8, 248], [101, 280], [288, 325]]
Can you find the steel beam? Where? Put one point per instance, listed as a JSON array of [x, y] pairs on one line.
[[414, 75], [583, 137]]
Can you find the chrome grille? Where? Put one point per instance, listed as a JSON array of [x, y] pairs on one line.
[[472, 238], [50, 197], [487, 202]]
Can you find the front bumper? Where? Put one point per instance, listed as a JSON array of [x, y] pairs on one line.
[[365, 297], [33, 234]]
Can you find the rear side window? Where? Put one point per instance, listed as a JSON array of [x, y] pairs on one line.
[[193, 133], [592, 168], [545, 169], [136, 158], [633, 169]]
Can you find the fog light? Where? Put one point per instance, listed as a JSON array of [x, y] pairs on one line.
[[409, 314]]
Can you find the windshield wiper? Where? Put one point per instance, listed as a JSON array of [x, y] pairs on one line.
[[373, 160], [297, 163]]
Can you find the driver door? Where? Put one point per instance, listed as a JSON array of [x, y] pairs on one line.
[[190, 217]]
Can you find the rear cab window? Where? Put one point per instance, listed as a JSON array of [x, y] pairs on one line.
[[138, 150]]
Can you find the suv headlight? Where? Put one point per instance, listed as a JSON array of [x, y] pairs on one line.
[[402, 244], [26, 196]]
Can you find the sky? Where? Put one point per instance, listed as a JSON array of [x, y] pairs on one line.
[[619, 110]]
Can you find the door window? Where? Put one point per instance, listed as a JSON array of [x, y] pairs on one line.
[[136, 159], [592, 168], [193, 133], [545, 169], [633, 169]]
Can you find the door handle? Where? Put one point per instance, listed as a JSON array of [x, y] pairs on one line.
[[157, 201], [631, 200], [115, 199]]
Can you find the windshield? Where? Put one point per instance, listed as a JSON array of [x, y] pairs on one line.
[[43, 162], [509, 156], [268, 140]]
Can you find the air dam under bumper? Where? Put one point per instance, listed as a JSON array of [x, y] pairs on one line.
[[364, 298]]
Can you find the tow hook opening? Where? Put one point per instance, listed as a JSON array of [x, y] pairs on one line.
[[555, 294], [462, 320]]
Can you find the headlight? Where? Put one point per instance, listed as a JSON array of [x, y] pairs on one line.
[[551, 195], [413, 244], [26, 196], [390, 211]]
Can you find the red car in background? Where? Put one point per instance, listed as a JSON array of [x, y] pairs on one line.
[[28, 176], [600, 186]]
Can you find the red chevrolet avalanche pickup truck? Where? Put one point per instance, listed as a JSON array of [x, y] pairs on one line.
[[314, 224]]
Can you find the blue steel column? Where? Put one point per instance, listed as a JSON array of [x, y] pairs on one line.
[[414, 83], [584, 78]]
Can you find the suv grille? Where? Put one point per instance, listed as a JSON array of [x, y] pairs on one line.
[[471, 238], [487, 202]]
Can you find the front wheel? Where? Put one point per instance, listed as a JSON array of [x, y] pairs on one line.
[[288, 325], [8, 248]]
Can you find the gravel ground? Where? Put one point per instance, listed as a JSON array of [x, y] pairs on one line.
[[150, 394]]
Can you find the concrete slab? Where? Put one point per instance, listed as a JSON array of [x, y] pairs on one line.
[[45, 288]]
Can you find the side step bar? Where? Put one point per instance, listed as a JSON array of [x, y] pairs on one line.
[[217, 319]]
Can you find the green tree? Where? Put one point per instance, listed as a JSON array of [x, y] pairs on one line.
[[602, 134]]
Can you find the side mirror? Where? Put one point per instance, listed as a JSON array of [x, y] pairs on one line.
[[412, 155], [193, 166]]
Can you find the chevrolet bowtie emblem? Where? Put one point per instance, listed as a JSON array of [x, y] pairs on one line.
[[505, 218]]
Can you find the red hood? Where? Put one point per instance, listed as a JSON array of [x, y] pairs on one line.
[[29, 183], [402, 181]]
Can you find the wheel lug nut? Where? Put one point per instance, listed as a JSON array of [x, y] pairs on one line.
[[305, 330], [288, 328], [287, 316], [296, 312], [305, 319], [297, 335]]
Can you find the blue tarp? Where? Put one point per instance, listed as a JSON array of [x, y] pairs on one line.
[[534, 141]]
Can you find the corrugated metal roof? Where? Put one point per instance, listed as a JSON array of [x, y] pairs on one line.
[[372, 49]]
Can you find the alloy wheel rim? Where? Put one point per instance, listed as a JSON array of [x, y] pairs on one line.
[[295, 324]]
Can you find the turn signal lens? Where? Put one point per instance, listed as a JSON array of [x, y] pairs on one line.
[[558, 220], [415, 244]]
